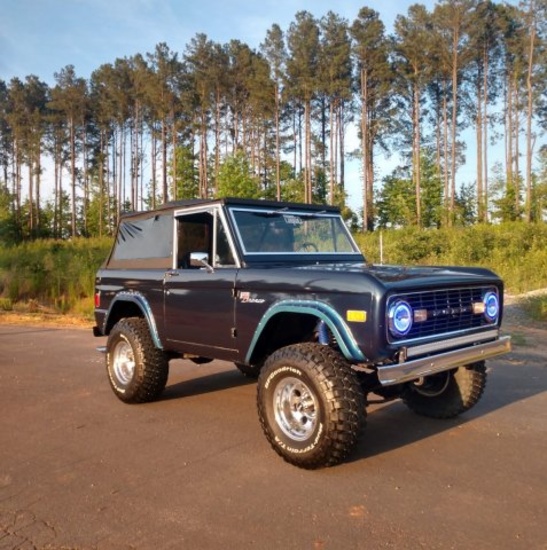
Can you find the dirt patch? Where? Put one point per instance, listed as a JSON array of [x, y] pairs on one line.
[[44, 320]]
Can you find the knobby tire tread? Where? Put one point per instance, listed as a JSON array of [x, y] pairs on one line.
[[465, 389], [345, 414], [151, 375]]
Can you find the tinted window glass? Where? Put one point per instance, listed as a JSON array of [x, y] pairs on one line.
[[149, 238], [285, 232]]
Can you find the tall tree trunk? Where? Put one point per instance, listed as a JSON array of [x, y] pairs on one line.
[[165, 193], [174, 151], [30, 198], [38, 185], [218, 118], [529, 112], [307, 155], [341, 141], [73, 174], [332, 165], [478, 134], [367, 214], [454, 125], [277, 146], [153, 164], [509, 134], [203, 191], [85, 182], [102, 153], [446, 158], [485, 135], [417, 154], [516, 172]]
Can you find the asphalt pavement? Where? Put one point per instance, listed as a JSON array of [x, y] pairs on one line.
[[81, 470]]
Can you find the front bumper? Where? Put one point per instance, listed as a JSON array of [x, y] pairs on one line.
[[406, 371]]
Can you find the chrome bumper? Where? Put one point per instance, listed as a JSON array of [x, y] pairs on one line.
[[411, 370]]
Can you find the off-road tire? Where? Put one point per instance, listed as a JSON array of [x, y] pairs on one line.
[[137, 370], [447, 394], [310, 405]]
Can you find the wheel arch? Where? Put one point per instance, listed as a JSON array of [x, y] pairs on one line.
[[131, 304], [292, 321]]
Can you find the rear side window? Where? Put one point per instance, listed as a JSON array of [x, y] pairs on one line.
[[144, 242]]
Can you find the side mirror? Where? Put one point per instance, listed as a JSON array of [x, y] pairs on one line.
[[200, 259]]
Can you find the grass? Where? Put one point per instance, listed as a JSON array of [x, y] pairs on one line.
[[57, 277], [536, 307], [518, 339], [53, 276]]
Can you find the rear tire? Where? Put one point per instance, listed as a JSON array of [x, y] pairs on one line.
[[137, 370], [447, 394], [310, 405]]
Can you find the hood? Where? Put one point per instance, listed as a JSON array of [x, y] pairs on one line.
[[410, 276]]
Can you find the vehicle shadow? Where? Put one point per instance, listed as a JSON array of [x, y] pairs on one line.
[[197, 382], [392, 425]]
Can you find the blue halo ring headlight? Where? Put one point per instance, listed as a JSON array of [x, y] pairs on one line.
[[400, 318], [491, 306]]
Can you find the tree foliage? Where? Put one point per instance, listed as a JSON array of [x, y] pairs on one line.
[[275, 122]]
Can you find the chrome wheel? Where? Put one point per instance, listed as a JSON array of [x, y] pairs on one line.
[[310, 405], [137, 370], [123, 362], [295, 408]]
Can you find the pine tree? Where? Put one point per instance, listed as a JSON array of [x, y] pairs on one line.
[[302, 64], [375, 79], [273, 49], [69, 97], [412, 47], [335, 80]]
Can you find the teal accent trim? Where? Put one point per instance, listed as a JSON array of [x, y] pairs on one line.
[[144, 306], [322, 311]]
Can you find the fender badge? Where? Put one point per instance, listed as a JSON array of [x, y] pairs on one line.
[[356, 316], [248, 298]]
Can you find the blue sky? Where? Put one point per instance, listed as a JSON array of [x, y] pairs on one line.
[[41, 37]]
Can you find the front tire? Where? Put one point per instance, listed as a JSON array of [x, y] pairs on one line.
[[310, 405], [137, 370], [447, 394]]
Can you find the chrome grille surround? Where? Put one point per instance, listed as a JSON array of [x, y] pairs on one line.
[[450, 313]]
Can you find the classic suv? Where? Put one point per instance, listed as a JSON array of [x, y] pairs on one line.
[[283, 291]]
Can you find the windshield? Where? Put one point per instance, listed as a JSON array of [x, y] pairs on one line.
[[288, 232]]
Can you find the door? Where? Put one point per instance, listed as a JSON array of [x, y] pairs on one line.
[[199, 290]]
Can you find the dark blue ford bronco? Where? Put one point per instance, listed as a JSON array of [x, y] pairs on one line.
[[282, 291]]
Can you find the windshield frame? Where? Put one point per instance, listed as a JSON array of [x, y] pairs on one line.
[[354, 254]]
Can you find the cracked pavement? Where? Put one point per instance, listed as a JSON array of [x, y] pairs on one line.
[[80, 470]]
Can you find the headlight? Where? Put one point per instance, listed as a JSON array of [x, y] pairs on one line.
[[400, 318], [491, 306]]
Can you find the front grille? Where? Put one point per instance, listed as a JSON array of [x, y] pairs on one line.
[[448, 311]]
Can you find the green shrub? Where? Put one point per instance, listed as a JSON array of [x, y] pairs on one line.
[[58, 274], [516, 251]]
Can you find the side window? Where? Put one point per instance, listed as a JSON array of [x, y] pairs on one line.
[[197, 239], [224, 256], [144, 242], [194, 233]]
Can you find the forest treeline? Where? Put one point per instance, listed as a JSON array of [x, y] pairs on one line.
[[275, 122]]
